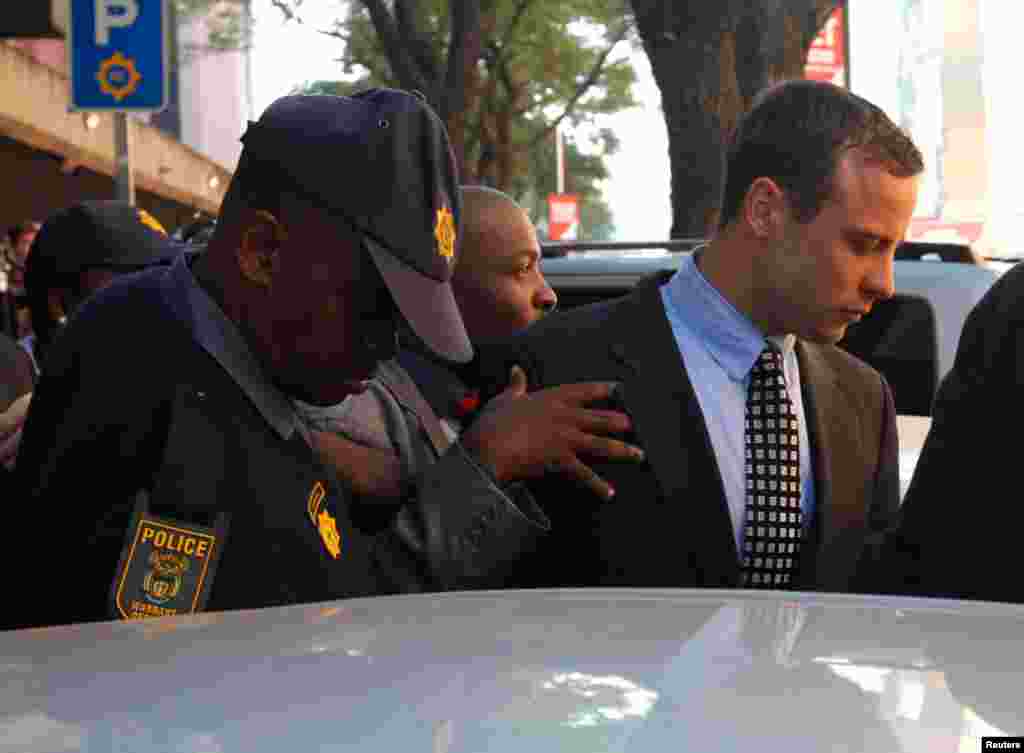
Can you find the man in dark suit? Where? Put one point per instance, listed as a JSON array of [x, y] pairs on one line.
[[944, 546], [772, 454]]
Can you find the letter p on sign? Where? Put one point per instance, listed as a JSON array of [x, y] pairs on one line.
[[114, 14]]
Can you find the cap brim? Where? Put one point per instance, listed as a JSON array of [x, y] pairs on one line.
[[428, 305]]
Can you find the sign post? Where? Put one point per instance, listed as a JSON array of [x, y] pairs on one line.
[[124, 177], [118, 61]]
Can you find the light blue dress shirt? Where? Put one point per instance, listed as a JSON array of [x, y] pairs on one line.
[[719, 346]]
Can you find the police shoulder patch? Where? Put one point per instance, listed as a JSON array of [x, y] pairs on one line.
[[166, 568]]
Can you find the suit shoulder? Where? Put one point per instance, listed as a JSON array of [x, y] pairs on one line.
[[848, 369], [582, 324]]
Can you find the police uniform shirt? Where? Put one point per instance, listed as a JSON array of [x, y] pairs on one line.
[[153, 389]]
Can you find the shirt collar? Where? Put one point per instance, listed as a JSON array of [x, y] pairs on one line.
[[730, 337], [219, 337]]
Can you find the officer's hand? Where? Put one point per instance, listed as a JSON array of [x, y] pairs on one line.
[[520, 436], [368, 471]]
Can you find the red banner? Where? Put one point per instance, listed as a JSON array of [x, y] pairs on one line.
[[563, 216], [826, 60]]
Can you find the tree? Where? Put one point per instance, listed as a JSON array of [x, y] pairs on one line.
[[584, 172], [709, 61], [229, 24], [502, 73]]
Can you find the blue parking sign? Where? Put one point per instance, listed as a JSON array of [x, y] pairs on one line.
[[117, 51]]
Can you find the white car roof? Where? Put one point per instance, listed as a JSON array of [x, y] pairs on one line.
[[609, 670]]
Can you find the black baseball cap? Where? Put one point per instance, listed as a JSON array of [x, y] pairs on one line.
[[91, 234], [380, 162]]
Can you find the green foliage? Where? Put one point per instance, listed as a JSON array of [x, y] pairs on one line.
[[540, 63], [334, 88], [535, 53], [228, 27]]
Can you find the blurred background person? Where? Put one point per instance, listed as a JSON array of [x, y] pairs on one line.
[[80, 250], [16, 383], [16, 375], [16, 249]]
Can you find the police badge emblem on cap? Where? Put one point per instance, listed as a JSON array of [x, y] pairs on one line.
[[444, 233]]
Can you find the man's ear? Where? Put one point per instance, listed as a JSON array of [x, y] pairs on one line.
[[765, 208], [258, 247]]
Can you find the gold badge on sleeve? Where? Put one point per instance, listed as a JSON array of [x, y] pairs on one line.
[[150, 221], [321, 518], [167, 566]]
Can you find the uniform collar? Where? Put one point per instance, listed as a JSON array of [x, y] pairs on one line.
[[218, 336]]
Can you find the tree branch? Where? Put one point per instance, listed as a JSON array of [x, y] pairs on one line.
[[585, 85], [286, 10], [517, 14], [498, 46], [333, 33], [506, 78], [464, 48], [401, 63], [822, 9], [409, 19]]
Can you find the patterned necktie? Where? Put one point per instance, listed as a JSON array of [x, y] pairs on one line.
[[774, 522]]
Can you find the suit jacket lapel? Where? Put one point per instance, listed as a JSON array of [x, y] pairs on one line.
[[833, 428], [662, 404]]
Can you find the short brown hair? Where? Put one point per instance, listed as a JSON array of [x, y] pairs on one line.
[[796, 132]]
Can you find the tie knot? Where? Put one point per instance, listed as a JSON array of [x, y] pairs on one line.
[[770, 360]]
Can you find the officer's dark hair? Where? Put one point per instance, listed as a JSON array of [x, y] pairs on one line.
[[796, 132]]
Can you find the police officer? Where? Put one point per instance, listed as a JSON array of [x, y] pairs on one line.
[[80, 250], [174, 476]]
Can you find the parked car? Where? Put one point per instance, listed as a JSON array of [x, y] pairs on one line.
[[594, 670]]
